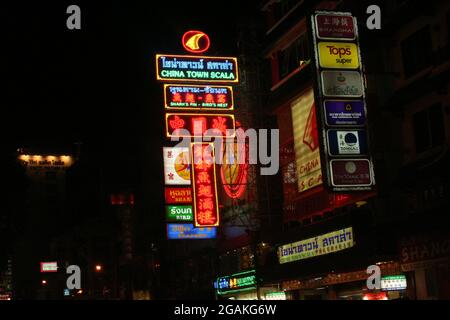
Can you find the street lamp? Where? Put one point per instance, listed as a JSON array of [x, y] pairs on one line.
[[98, 268], [44, 282]]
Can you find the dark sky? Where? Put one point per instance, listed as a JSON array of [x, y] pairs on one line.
[[97, 84]]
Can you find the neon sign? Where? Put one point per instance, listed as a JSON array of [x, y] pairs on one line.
[[198, 97], [179, 213], [199, 125], [178, 231], [196, 68], [206, 209], [178, 195], [232, 173], [195, 41], [236, 282]]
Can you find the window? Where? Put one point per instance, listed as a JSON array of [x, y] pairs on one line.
[[289, 58], [429, 130], [417, 52]]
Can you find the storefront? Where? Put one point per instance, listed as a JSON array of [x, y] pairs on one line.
[[425, 259], [348, 286]]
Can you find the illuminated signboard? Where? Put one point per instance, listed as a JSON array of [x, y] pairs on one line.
[[234, 174], [281, 295], [344, 112], [199, 125], [195, 41], [237, 282], [196, 68], [200, 97], [178, 195], [179, 231], [49, 267], [335, 27], [179, 213], [342, 84], [345, 142], [375, 296], [306, 142], [350, 172], [204, 185], [391, 283], [341, 55], [46, 162], [177, 170], [317, 246], [343, 126]]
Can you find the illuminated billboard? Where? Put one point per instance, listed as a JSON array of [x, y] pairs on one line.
[[199, 125], [178, 195], [196, 68], [49, 267], [179, 231], [179, 213], [306, 142], [317, 246], [198, 97], [204, 185], [341, 55], [393, 283], [242, 281], [177, 169], [335, 27]]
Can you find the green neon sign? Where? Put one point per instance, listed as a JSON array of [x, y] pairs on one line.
[[179, 213], [238, 282]]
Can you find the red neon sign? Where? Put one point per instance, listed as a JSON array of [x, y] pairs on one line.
[[195, 97], [204, 185], [195, 41], [198, 125], [233, 173], [178, 195]]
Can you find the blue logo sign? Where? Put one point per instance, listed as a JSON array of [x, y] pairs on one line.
[[342, 112], [347, 142], [188, 231]]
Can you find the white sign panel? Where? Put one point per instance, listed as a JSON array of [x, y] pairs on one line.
[[177, 169]]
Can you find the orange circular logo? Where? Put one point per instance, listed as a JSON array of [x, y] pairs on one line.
[[195, 41]]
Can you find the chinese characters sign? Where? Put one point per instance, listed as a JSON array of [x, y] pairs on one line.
[[198, 97], [196, 68], [206, 210], [332, 27], [199, 125]]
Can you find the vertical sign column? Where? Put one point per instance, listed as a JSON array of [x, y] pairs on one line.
[[198, 105], [340, 93]]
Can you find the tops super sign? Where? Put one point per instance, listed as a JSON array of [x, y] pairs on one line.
[[195, 41]]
